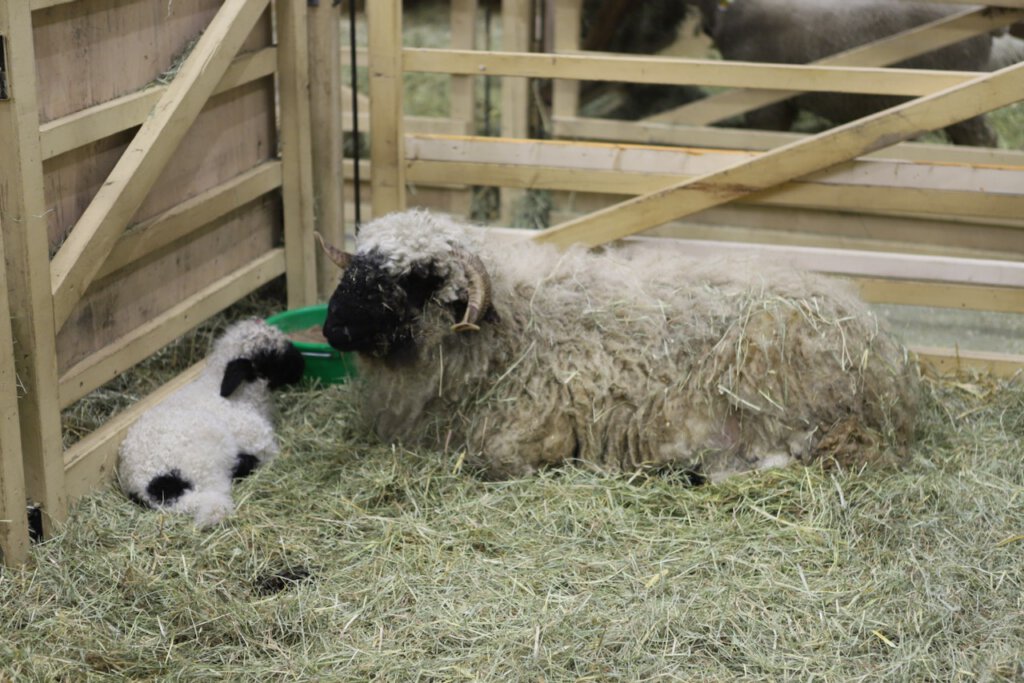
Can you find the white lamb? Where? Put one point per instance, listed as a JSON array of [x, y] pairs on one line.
[[182, 455]]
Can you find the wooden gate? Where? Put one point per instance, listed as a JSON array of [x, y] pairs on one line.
[[148, 181], [946, 224]]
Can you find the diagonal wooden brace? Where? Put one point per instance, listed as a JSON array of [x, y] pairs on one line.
[[93, 237], [797, 159]]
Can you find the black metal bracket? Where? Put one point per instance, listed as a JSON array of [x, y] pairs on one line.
[[5, 91], [35, 523]]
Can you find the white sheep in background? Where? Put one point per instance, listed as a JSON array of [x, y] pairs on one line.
[[182, 455], [528, 357]]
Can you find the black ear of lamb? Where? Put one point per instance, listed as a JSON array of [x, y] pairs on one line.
[[280, 367], [237, 371]]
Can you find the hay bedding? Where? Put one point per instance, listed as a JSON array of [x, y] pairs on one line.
[[352, 561]]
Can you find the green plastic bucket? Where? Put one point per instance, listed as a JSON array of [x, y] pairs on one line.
[[324, 363]]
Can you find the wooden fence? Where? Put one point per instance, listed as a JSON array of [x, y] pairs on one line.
[[156, 157], [137, 202], [917, 224]]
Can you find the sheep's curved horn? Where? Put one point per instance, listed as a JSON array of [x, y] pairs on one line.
[[478, 294], [339, 257]]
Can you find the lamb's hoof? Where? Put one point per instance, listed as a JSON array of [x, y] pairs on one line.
[[465, 327]]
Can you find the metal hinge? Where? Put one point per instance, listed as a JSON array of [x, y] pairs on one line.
[[5, 91], [35, 523]]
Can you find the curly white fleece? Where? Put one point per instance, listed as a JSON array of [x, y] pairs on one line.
[[198, 434]]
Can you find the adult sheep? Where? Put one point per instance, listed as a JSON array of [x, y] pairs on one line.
[[527, 357], [802, 31]]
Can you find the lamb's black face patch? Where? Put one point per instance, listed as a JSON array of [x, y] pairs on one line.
[[167, 488], [245, 463], [375, 313], [277, 367], [280, 367]]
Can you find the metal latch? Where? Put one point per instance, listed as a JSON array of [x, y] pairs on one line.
[[5, 91]]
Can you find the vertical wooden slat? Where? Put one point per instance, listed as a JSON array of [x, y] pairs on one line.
[[13, 520], [462, 91], [463, 98], [296, 152], [324, 27], [565, 98], [387, 144], [23, 221], [516, 18]]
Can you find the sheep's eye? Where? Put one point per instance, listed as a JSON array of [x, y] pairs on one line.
[[419, 285]]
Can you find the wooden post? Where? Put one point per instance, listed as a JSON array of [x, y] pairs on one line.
[[516, 17], [24, 225], [324, 24], [565, 97], [13, 518], [387, 136], [462, 94], [296, 151]]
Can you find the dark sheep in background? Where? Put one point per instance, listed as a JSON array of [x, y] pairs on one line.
[[803, 31]]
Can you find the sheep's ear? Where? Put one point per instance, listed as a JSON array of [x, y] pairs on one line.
[[421, 283], [239, 370]]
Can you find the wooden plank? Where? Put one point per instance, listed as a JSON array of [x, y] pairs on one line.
[[826, 229], [82, 254], [23, 221], [945, 362], [675, 71], [150, 237], [296, 152], [162, 329], [871, 264], [95, 123], [117, 305], [745, 139], [13, 517], [325, 105], [992, 3], [516, 16], [92, 462], [387, 138], [568, 17], [413, 124], [462, 91], [795, 160], [889, 50], [941, 295], [874, 185], [975, 207], [43, 4]]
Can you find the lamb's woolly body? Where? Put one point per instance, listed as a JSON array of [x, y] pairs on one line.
[[197, 436], [623, 361]]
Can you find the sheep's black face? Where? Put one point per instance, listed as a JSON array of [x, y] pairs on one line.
[[375, 313]]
